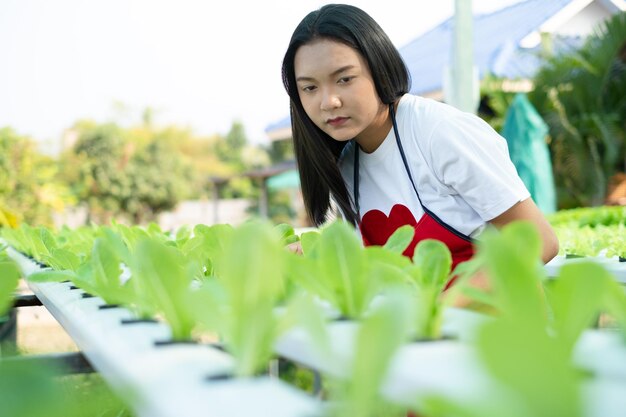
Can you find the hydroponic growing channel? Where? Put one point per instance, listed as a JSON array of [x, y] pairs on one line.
[[170, 375]]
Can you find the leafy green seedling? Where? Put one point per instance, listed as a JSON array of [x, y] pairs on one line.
[[430, 273], [252, 273], [9, 277], [183, 234], [62, 259], [309, 241], [303, 312], [520, 348], [578, 296], [512, 257], [163, 278], [208, 249], [381, 333], [98, 275], [530, 363], [287, 234], [342, 266], [400, 239], [337, 268]]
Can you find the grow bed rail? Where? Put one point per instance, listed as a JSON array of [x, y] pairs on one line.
[[173, 379], [161, 379]]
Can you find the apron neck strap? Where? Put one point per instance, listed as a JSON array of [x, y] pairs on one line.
[[357, 205]]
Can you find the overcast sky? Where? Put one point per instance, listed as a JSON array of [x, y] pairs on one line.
[[198, 63]]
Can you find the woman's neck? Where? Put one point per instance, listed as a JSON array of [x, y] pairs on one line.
[[371, 138]]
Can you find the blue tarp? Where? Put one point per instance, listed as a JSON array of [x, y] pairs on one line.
[[288, 179]]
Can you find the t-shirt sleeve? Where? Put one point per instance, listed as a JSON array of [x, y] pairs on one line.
[[472, 160]]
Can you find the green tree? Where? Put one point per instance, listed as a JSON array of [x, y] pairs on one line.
[[100, 158], [159, 179], [582, 97], [495, 101], [235, 151], [132, 173], [229, 149], [199, 152], [236, 137], [280, 151], [29, 187], [141, 171]]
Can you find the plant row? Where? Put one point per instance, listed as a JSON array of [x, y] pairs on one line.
[[241, 287], [592, 231]]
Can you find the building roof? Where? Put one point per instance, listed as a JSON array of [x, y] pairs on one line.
[[279, 129], [496, 44]]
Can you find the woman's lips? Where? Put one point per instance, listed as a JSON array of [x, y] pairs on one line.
[[337, 121]]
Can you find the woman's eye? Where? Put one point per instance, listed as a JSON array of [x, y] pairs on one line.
[[344, 80], [308, 88]]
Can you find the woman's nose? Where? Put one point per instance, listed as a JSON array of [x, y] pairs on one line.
[[330, 101]]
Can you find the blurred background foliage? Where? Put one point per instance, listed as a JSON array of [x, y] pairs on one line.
[[29, 185], [130, 173], [54, 394], [137, 172], [581, 95]]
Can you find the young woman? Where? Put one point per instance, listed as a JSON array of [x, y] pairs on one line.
[[388, 158]]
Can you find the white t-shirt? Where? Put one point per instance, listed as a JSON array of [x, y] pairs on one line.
[[460, 165]]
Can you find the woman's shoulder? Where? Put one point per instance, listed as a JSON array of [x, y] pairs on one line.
[[424, 114], [428, 117]]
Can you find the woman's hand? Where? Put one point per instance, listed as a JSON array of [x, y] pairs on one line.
[[479, 281], [295, 247], [527, 210]]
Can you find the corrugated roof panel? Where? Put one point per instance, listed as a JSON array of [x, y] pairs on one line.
[[524, 63], [282, 123], [428, 55]]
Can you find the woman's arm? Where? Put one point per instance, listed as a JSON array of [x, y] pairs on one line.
[[524, 210], [528, 210]]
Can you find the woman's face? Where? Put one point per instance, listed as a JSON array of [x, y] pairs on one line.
[[338, 93]]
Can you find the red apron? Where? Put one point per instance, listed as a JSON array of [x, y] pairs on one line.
[[376, 227]]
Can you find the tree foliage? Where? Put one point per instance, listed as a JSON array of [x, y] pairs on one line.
[[29, 188], [582, 97], [141, 171], [117, 173], [132, 173]]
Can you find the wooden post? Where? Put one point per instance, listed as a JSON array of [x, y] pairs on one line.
[[264, 200], [216, 198]]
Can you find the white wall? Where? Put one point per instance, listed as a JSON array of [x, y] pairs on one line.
[[232, 211], [583, 23]]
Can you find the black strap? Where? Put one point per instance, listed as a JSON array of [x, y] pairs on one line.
[[356, 182], [408, 171]]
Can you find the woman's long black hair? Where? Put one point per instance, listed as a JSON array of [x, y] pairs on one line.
[[316, 152]]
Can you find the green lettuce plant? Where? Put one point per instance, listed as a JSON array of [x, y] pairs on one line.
[[28, 240], [240, 301], [528, 345], [206, 248], [287, 233], [337, 268], [161, 274], [429, 274], [381, 333], [9, 277], [98, 275], [579, 294]]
